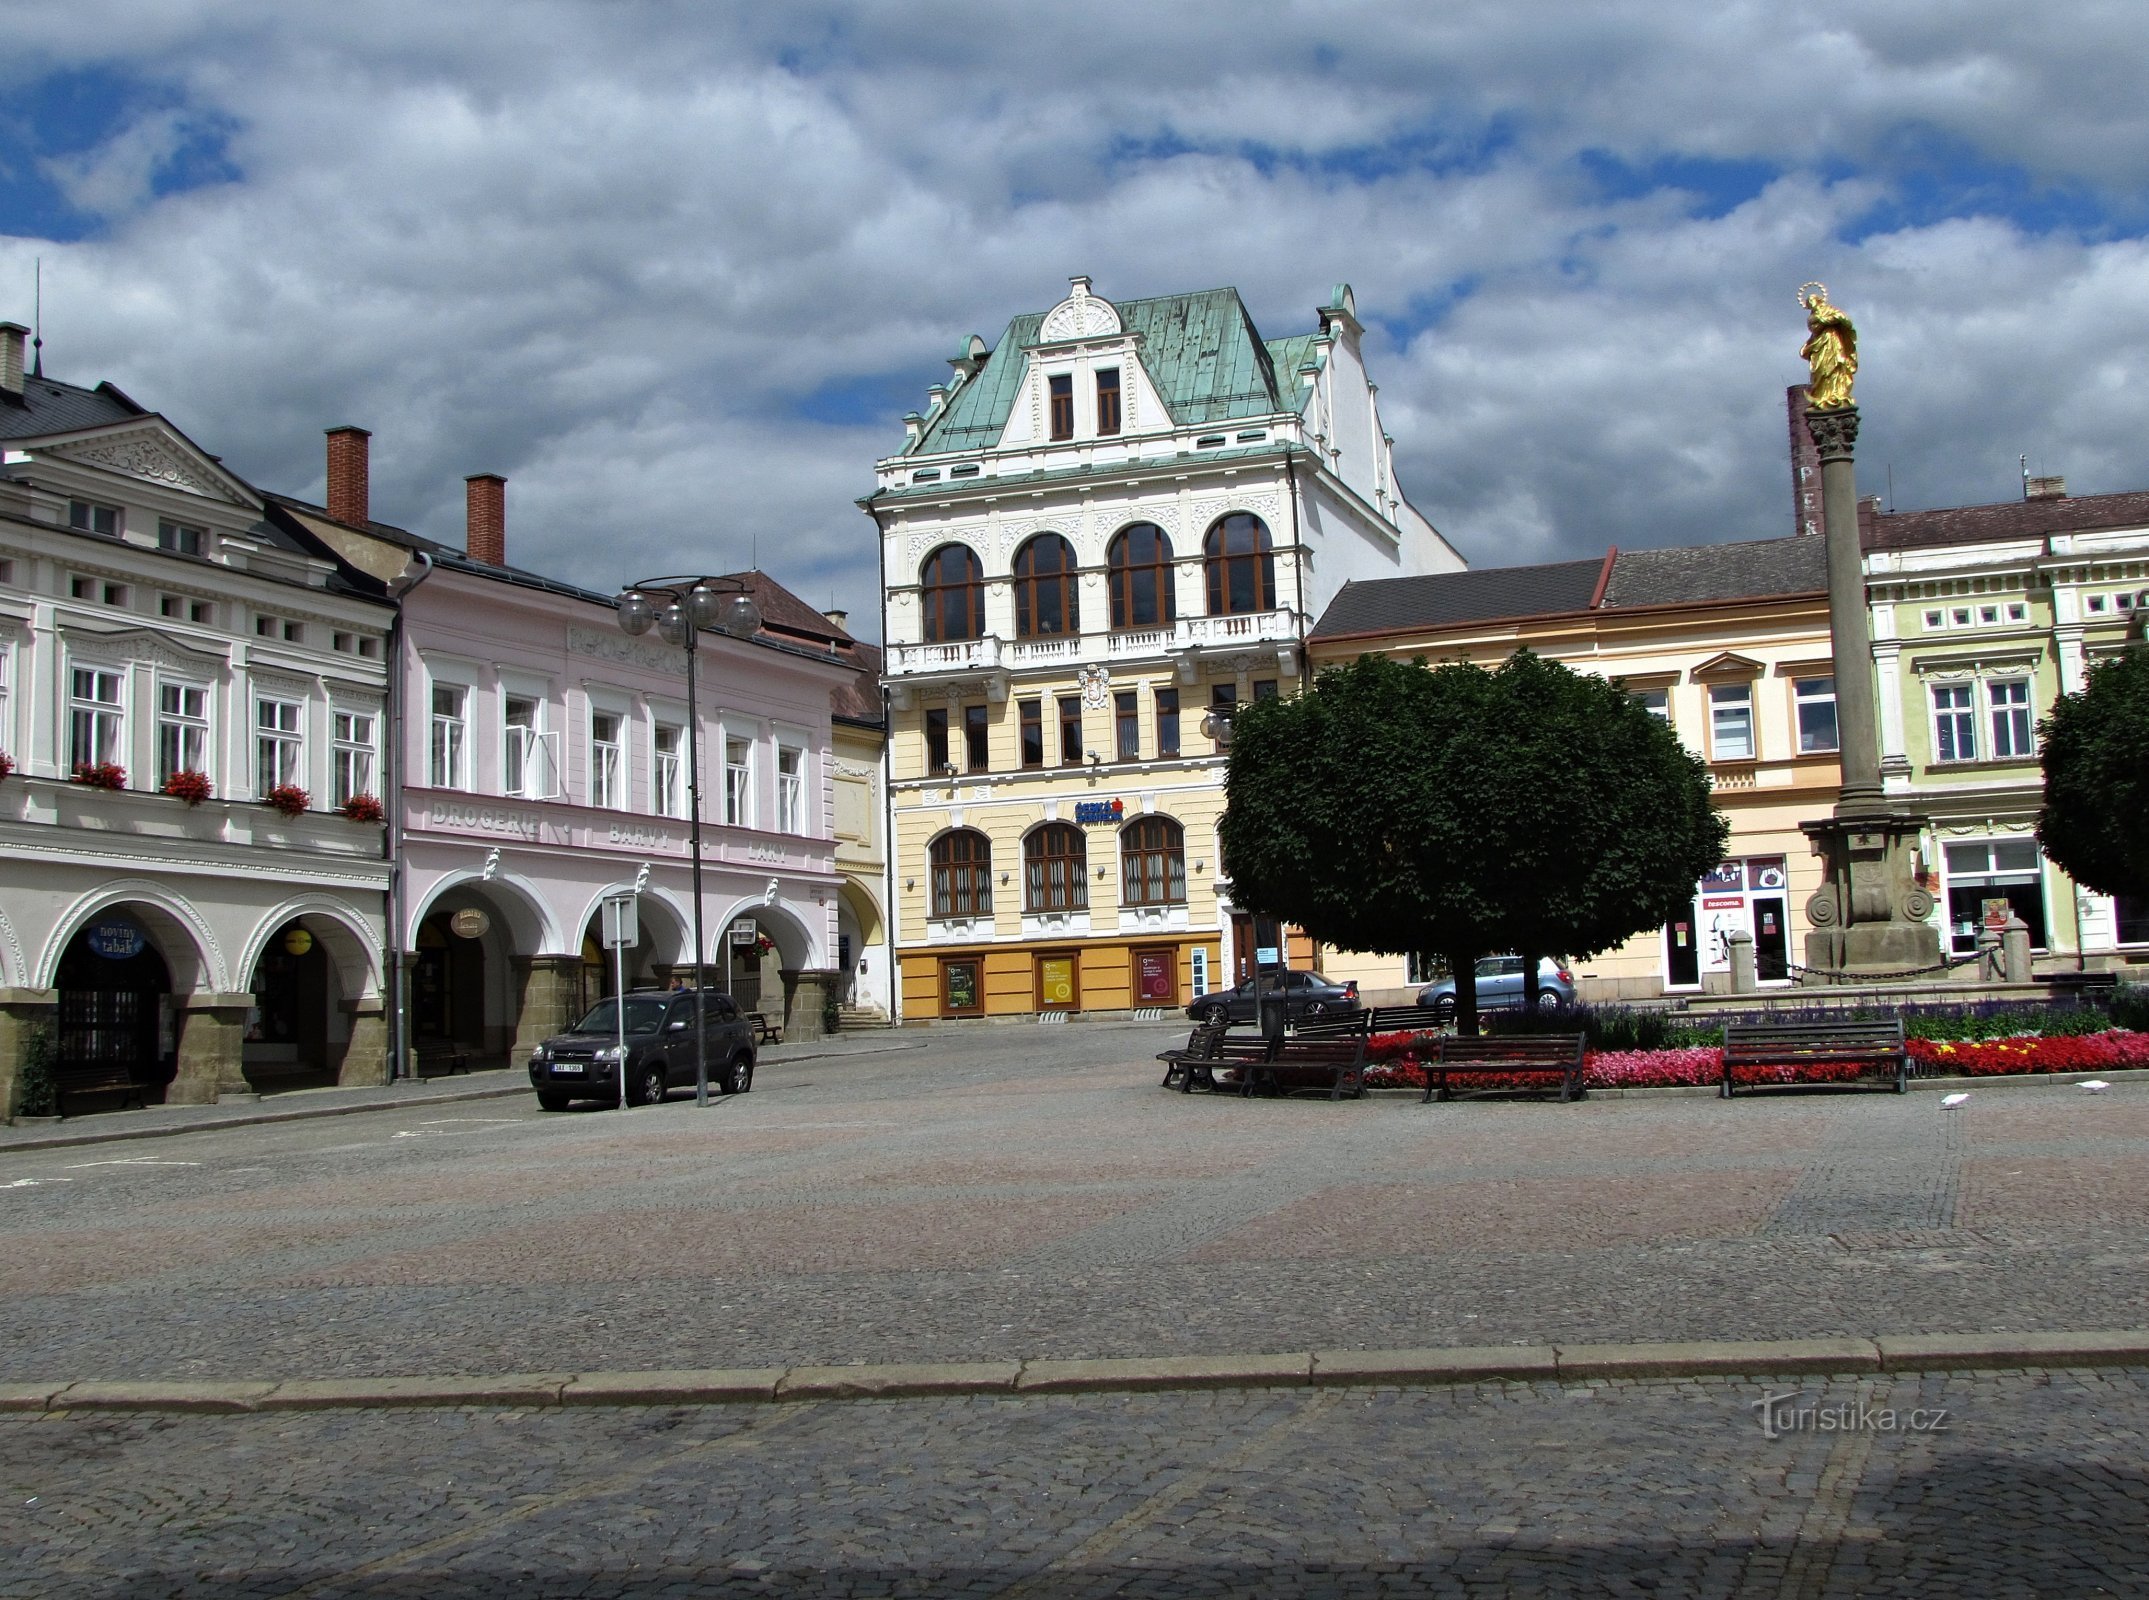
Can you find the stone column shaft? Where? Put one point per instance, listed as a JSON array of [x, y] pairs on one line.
[[1835, 435]]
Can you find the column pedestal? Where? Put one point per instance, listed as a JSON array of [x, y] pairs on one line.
[[806, 994], [212, 1050], [551, 1002]]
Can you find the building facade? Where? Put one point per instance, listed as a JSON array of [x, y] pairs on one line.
[[1983, 615], [543, 760], [1117, 522], [1730, 645], [192, 694]]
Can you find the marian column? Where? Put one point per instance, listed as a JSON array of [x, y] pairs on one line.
[[1869, 915]]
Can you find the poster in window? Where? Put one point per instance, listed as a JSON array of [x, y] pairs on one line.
[[1154, 976], [1055, 981], [960, 978]]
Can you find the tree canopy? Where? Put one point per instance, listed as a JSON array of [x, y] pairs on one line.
[[1397, 807], [2095, 821]]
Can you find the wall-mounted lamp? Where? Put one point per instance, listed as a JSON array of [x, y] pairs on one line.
[[1003, 879], [1199, 865], [1095, 759], [946, 769], [1100, 874], [909, 884]]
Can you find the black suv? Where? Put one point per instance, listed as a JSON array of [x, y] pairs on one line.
[[1306, 994], [583, 1062]]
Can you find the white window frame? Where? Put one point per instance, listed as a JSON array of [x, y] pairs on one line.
[[608, 760], [667, 769], [738, 782], [1721, 701], [189, 728], [1952, 721], [356, 762], [7, 726], [104, 719], [279, 743], [790, 789], [1657, 702], [1801, 699], [2012, 719], [447, 745], [529, 751], [82, 516]]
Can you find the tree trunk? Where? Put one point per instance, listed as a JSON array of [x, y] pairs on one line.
[[1465, 970], [1531, 962]]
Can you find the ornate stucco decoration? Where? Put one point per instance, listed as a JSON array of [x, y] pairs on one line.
[[144, 455], [1081, 315], [149, 647]]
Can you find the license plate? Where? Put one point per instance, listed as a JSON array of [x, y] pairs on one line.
[[568, 1066]]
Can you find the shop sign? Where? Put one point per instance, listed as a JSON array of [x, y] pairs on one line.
[[961, 985], [1721, 902], [117, 940], [1153, 975], [1731, 875], [1100, 810], [1055, 980], [743, 935], [298, 941], [469, 923]]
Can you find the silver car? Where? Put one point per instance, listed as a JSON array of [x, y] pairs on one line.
[[1499, 986]]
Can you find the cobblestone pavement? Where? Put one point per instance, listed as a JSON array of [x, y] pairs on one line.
[[1981, 1485], [1023, 1192]]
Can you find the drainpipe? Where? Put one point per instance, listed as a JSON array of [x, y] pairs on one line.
[[414, 573]]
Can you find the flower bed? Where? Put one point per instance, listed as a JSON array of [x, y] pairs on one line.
[[1396, 1067]]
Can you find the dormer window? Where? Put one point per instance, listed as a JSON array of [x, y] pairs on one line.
[[1107, 400], [93, 518], [181, 538], [1061, 387]]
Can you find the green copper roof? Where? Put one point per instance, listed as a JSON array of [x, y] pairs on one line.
[[1201, 350]]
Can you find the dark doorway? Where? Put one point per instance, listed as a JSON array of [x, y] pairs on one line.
[[115, 1005], [1682, 954], [287, 1027], [1772, 939], [448, 987]]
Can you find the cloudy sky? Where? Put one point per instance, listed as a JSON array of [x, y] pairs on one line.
[[677, 269]]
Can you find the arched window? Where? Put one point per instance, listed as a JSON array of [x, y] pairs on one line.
[[962, 874], [954, 596], [1045, 589], [1055, 861], [1241, 566], [1152, 863], [1141, 570]]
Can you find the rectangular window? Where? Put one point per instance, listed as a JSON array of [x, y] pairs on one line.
[[1167, 723], [1731, 721], [353, 748], [521, 755], [1981, 872], [1127, 724], [1070, 730], [977, 752], [278, 747], [91, 517], [671, 769], [1061, 385], [294, 633], [182, 729], [1223, 701], [181, 538], [115, 594], [202, 611], [607, 760], [738, 783], [2012, 728], [790, 791], [1816, 702], [1954, 723], [1264, 688], [81, 589], [95, 720], [1032, 718], [1108, 400], [2132, 916], [450, 744], [169, 605], [1657, 702], [936, 741]]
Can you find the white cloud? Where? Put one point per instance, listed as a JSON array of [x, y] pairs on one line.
[[608, 250]]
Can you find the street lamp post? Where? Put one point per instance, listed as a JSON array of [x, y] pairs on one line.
[[679, 608], [1271, 1013]]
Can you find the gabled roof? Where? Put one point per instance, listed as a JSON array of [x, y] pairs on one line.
[[1444, 599], [49, 406], [1201, 350], [2004, 519], [1695, 574]]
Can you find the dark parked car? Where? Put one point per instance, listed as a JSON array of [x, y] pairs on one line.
[[583, 1062], [1306, 994], [1499, 986]]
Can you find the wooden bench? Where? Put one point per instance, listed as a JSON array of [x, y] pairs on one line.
[[1879, 1045], [108, 1079], [765, 1031], [1374, 1020], [1194, 1061], [1538, 1055]]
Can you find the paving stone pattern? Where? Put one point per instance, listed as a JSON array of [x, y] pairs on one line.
[[1005, 1192], [2032, 1485]]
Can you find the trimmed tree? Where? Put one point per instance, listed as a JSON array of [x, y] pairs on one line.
[[1396, 808], [2095, 821]]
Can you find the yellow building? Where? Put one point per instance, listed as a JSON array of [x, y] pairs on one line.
[[1116, 522], [1729, 644]]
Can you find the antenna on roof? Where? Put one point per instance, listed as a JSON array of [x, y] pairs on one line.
[[2025, 476], [37, 318], [1891, 488]]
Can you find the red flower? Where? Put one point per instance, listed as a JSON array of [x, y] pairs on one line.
[[192, 787], [100, 775], [289, 798], [362, 808]]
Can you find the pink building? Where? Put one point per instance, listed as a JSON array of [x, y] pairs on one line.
[[542, 761]]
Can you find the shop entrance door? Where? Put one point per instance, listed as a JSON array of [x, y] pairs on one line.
[[1682, 954], [1772, 939]]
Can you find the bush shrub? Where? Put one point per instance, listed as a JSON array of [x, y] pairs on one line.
[[37, 1092]]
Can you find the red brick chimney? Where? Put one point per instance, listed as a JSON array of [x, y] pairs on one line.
[[486, 539], [349, 474]]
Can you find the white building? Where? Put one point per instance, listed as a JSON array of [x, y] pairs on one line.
[[171, 655]]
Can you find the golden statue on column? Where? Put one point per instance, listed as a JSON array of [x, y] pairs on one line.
[[1831, 350]]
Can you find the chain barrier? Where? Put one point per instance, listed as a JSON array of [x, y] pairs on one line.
[[1947, 964]]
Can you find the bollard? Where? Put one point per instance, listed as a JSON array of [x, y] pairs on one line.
[[1991, 967], [1741, 946], [2015, 950]]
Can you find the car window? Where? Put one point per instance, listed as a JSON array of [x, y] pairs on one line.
[[726, 1011], [645, 1014]]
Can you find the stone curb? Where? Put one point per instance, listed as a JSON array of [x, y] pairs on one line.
[[257, 1119], [1894, 1353]]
